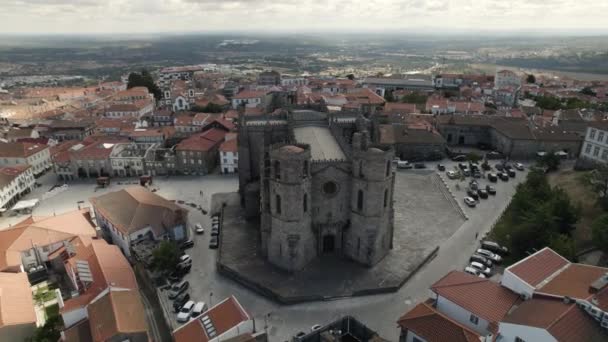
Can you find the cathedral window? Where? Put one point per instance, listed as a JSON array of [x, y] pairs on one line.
[[278, 204], [360, 200], [385, 198], [388, 168], [305, 202]]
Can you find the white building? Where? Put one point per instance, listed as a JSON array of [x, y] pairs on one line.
[[127, 159], [15, 181], [249, 98], [38, 156], [506, 79], [229, 154], [595, 147], [137, 109]]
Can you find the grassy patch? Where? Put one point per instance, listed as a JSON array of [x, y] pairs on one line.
[[571, 182]]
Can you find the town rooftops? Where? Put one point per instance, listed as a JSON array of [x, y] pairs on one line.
[[433, 326], [16, 304], [250, 94], [202, 142], [539, 266], [475, 295], [213, 323], [19, 149], [135, 208], [42, 231], [391, 134], [8, 174], [116, 313], [229, 146], [574, 281], [565, 322]]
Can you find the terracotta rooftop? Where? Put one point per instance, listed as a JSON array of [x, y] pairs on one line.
[[135, 208], [16, 304], [229, 146], [473, 294], [223, 316], [116, 313], [249, 94], [20, 149], [202, 142], [433, 326], [10, 173], [565, 322], [574, 281], [538, 267]]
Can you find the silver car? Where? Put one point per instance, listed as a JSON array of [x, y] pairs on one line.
[[492, 256]]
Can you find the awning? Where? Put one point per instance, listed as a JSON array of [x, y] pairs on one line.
[[26, 204]]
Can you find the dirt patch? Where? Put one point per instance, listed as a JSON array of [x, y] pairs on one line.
[[571, 182]]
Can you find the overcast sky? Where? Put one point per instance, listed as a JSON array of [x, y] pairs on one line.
[[125, 16]]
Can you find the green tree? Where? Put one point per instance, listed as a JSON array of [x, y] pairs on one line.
[[144, 79], [599, 232], [597, 181], [550, 160], [531, 79], [388, 96], [166, 257], [350, 76], [49, 332], [564, 245], [588, 91]]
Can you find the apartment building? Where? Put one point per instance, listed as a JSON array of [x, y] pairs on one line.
[[38, 156]]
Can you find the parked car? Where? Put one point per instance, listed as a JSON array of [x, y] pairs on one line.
[[481, 259], [180, 301], [519, 166], [473, 184], [185, 258], [315, 327], [420, 166], [503, 176], [466, 172], [492, 256], [491, 190], [213, 243], [460, 157], [462, 166], [175, 277], [494, 247], [198, 309], [486, 166], [179, 288], [481, 268], [187, 244], [215, 231], [184, 313], [473, 194], [492, 177], [470, 202], [474, 272], [482, 193], [404, 164], [199, 229], [299, 335], [452, 174], [511, 173], [499, 167], [440, 167], [476, 174], [494, 155], [184, 268]]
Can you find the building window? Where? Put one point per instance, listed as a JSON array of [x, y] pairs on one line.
[[360, 168], [305, 169], [592, 134], [385, 198], [360, 200], [388, 168], [277, 169], [278, 204], [588, 149], [305, 202], [596, 151], [474, 319], [600, 137]]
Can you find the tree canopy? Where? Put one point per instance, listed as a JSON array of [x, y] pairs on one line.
[[165, 257], [531, 79], [49, 332], [538, 216], [599, 232], [144, 79], [597, 181], [550, 160]]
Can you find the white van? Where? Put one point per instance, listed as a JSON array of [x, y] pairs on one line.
[[184, 313], [199, 308]]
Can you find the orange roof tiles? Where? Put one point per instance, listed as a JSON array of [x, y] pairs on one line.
[[224, 316], [565, 322], [20, 149], [249, 94], [229, 146], [16, 304], [203, 142], [574, 281], [115, 313], [474, 294], [433, 326], [538, 266]]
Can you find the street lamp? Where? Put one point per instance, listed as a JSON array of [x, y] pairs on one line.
[[210, 299]]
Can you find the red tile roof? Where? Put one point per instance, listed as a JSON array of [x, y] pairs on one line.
[[574, 281], [203, 142], [20, 149], [249, 94], [565, 322], [433, 326], [224, 316], [229, 146], [474, 294], [538, 266]]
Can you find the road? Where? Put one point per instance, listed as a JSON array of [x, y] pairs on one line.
[[379, 312]]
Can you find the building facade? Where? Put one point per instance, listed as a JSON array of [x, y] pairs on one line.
[[595, 146]]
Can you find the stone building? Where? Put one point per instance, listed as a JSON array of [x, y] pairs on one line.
[[319, 185]]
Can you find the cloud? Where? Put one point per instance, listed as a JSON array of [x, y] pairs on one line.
[[293, 15]]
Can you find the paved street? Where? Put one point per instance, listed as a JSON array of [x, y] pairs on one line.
[[379, 312]]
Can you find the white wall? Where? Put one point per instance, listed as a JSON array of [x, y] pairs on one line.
[[596, 145], [512, 282], [229, 161], [14, 188], [72, 317], [457, 313], [508, 332]]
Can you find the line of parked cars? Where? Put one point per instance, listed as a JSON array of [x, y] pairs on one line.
[[475, 192], [182, 305], [215, 232], [488, 254]]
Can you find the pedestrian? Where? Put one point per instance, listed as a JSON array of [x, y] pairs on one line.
[[476, 235]]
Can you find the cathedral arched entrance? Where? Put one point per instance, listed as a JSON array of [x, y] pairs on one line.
[[329, 244]]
